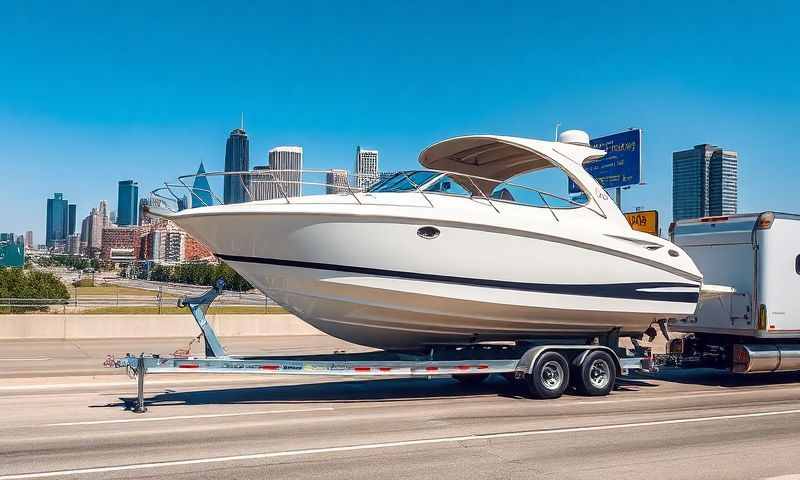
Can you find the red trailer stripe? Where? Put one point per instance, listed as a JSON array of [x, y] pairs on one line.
[[361, 369], [188, 365], [270, 367]]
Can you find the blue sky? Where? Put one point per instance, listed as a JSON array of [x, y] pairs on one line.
[[95, 92]]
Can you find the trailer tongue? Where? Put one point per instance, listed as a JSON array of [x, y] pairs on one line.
[[545, 367]]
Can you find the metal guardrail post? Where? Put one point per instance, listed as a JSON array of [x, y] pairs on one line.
[[141, 371]]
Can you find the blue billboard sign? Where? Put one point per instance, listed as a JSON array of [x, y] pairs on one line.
[[622, 165]]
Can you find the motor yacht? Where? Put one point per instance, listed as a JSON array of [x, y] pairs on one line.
[[456, 252]]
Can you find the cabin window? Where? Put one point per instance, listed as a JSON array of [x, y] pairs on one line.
[[797, 264], [447, 184], [548, 187]]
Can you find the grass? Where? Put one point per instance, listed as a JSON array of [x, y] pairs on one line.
[[113, 291], [172, 310]]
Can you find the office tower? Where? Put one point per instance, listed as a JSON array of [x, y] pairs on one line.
[[71, 218], [237, 159], [29, 239], [201, 190], [263, 184], [57, 227], [127, 203], [94, 225], [336, 181], [288, 182], [704, 182], [366, 168]]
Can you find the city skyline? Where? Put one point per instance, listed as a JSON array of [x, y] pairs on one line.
[[703, 86]]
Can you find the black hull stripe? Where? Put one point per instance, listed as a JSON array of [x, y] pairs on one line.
[[632, 291]]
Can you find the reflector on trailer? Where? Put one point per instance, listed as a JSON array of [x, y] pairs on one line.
[[188, 365], [270, 367]]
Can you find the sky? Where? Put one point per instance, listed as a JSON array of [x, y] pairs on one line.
[[96, 92]]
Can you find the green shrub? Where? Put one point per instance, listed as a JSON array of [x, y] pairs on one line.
[[198, 274], [17, 283]]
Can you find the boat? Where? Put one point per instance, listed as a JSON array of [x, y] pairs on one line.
[[451, 254]]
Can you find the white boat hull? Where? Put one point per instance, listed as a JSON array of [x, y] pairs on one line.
[[372, 280]]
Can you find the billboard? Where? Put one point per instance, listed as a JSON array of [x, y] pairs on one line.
[[644, 221], [622, 165]]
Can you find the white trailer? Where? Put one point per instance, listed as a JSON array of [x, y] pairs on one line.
[[755, 325]]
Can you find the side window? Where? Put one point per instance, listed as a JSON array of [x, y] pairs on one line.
[[551, 180], [797, 264], [449, 186]]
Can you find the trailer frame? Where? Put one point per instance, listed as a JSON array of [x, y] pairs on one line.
[[517, 361]]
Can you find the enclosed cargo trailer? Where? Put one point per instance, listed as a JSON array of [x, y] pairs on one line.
[[754, 326]]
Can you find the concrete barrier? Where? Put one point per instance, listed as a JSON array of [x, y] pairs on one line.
[[73, 327]]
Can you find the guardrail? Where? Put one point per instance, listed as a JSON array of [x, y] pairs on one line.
[[87, 303]]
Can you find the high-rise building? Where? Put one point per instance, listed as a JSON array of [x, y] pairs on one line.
[[71, 218], [288, 160], [29, 239], [127, 203], [201, 190], [366, 168], [92, 229], [263, 184], [57, 221], [237, 159], [704, 182], [336, 181]]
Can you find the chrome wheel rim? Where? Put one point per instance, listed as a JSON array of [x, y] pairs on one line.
[[599, 374], [552, 375]]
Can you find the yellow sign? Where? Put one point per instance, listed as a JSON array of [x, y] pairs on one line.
[[645, 221]]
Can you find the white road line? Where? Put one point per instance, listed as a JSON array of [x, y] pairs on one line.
[[184, 417], [374, 446], [20, 359]]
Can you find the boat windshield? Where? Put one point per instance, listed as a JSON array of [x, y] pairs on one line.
[[404, 181]]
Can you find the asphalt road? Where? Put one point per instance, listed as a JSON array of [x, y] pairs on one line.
[[690, 424]]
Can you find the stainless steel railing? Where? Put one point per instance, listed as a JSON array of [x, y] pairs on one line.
[[280, 179]]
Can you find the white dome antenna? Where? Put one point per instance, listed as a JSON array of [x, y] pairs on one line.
[[574, 137]]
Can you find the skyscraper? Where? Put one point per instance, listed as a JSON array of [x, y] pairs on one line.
[[71, 218], [286, 158], [127, 203], [201, 190], [366, 168], [29, 239], [704, 182], [57, 221], [237, 159], [336, 181]]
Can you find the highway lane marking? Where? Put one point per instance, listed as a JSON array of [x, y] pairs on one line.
[[20, 359], [403, 443], [185, 417]]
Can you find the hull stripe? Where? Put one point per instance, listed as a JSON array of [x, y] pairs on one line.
[[632, 291]]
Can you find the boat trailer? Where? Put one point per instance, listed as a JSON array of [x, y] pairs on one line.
[[468, 362]]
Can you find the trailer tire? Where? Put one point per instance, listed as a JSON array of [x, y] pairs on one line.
[[471, 379], [550, 376], [596, 375]]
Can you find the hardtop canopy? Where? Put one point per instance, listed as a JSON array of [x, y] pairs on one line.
[[501, 158]]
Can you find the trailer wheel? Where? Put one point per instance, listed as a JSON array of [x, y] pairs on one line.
[[596, 375], [471, 379], [550, 376]]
